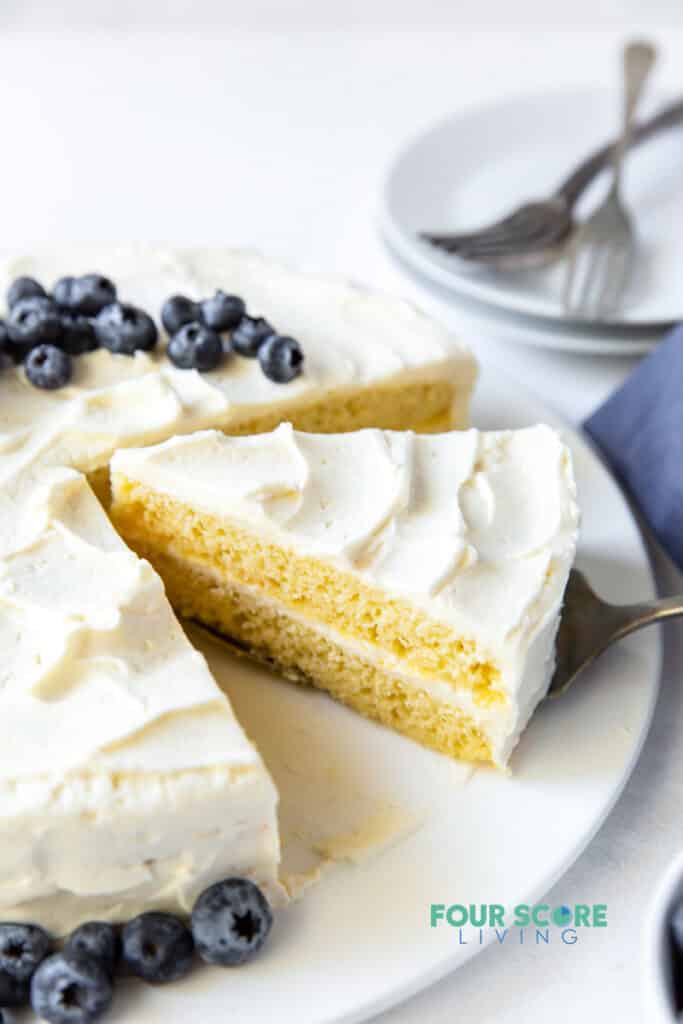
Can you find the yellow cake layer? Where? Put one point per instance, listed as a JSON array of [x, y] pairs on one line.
[[427, 407], [293, 644], [157, 526]]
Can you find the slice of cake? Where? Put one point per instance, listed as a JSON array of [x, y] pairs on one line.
[[417, 578], [368, 360], [125, 782]]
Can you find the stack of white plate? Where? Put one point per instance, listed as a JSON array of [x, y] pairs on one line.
[[478, 165]]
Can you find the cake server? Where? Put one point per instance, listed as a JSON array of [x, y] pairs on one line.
[[590, 625]]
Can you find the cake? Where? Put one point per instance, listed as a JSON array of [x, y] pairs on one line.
[[417, 578], [126, 783], [368, 361]]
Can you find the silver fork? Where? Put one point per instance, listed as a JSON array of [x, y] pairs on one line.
[[600, 254], [590, 625], [535, 233]]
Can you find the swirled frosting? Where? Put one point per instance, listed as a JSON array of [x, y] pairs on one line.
[[125, 781], [351, 338], [478, 529]]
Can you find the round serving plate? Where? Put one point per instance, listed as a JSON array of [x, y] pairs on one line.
[[481, 163], [359, 940]]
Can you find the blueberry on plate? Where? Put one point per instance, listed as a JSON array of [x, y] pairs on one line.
[[22, 948], [250, 334], [222, 312], [281, 358], [125, 329], [177, 311], [157, 947], [96, 939], [230, 922], [48, 367], [33, 321], [70, 988], [195, 347], [90, 293], [24, 288], [78, 334]]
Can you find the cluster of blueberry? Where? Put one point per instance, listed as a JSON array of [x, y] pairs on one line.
[[230, 923], [45, 332], [195, 330]]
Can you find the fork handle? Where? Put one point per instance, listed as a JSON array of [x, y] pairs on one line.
[[635, 616], [578, 180]]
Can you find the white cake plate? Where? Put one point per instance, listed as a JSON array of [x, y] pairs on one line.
[[360, 940]]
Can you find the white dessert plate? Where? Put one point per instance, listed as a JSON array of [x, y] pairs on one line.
[[360, 940], [478, 164]]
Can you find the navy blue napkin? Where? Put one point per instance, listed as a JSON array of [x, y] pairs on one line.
[[640, 432]]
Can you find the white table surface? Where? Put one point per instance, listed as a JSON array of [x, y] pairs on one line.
[[278, 140]]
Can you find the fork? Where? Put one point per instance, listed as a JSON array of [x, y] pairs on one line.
[[534, 234], [600, 254], [590, 625]]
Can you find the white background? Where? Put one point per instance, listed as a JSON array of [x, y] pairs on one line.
[[270, 124]]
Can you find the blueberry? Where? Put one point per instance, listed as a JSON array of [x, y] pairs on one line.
[[22, 948], [230, 922], [176, 312], [157, 947], [24, 288], [125, 329], [250, 334], [222, 312], [70, 988], [195, 348], [78, 334], [47, 367], [281, 358], [61, 293], [89, 294], [98, 940], [33, 321]]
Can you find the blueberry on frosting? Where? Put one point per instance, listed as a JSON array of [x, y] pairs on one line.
[[177, 311], [230, 922], [70, 988], [222, 312], [78, 334], [48, 367], [281, 358], [125, 329], [33, 321], [250, 334], [157, 947], [85, 295], [195, 347], [24, 288]]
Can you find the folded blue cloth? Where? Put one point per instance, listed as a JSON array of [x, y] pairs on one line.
[[640, 432]]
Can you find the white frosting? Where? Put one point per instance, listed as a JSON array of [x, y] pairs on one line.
[[477, 529], [350, 338], [125, 781]]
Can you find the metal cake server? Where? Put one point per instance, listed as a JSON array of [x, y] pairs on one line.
[[590, 625]]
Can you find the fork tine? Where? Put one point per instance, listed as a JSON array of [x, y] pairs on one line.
[[617, 276]]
